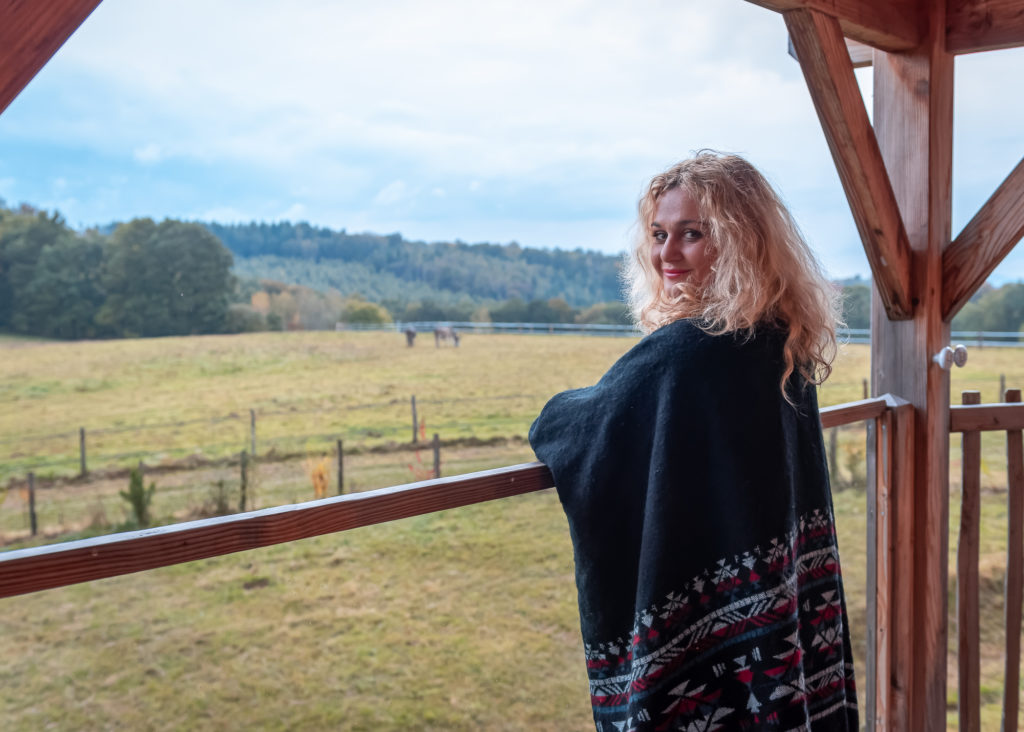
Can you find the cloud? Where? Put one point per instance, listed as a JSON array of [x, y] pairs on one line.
[[149, 153], [548, 114]]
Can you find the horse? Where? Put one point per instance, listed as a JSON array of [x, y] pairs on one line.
[[410, 336], [445, 333]]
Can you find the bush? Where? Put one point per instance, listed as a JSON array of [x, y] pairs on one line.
[[139, 497], [242, 318]]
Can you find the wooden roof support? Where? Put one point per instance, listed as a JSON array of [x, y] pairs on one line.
[[30, 33], [983, 243], [913, 121], [821, 49], [983, 25], [891, 25]]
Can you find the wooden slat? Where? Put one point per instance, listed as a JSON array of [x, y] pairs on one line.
[[879, 550], [891, 25], [983, 25], [826, 65], [968, 618], [1014, 571], [900, 470], [984, 242], [986, 417], [56, 565], [852, 412], [31, 31]]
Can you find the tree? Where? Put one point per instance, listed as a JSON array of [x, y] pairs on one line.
[[23, 237], [168, 279], [857, 306], [64, 294]]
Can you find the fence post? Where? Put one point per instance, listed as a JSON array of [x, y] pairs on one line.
[[341, 469], [81, 452], [437, 456], [864, 383], [415, 423], [1002, 387], [252, 432], [244, 463], [32, 503]]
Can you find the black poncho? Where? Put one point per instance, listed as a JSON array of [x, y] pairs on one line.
[[706, 565]]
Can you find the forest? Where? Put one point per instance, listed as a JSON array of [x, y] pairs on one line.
[[144, 279]]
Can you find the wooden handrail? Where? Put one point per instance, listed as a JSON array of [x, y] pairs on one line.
[[986, 417], [57, 565]]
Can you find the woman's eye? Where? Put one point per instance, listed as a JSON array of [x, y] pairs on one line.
[[693, 234], [660, 235]]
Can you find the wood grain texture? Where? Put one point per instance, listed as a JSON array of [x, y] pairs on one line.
[[1014, 571], [901, 445], [30, 33], [892, 25], [983, 25], [986, 417], [984, 242], [56, 565], [852, 412], [826, 66], [860, 53], [913, 122], [968, 625], [879, 550]]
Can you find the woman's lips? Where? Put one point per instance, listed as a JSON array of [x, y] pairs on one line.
[[674, 273]]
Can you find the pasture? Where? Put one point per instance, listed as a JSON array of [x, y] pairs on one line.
[[459, 620]]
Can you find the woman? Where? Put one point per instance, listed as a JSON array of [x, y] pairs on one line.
[[693, 474]]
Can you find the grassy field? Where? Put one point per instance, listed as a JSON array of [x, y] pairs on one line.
[[459, 620]]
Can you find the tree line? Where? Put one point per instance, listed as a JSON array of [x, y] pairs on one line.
[[144, 278]]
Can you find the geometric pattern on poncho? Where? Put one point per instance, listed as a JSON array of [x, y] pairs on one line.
[[753, 642]]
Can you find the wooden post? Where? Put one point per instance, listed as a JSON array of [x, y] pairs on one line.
[[244, 465], [1002, 387], [32, 503], [913, 122], [415, 422], [81, 452], [864, 385], [341, 468], [967, 608], [437, 456], [252, 432]]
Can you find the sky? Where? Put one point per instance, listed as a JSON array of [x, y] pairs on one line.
[[535, 121]]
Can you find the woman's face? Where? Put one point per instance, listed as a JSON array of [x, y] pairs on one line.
[[679, 250]]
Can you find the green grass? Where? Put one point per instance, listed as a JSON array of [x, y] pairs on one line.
[[459, 620]]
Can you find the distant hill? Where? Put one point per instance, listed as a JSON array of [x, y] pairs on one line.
[[395, 269]]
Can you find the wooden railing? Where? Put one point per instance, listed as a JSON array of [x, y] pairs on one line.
[[890, 424], [972, 418]]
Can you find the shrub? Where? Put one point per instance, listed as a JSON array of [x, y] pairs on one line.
[[139, 497]]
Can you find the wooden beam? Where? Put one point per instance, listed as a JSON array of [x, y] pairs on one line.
[[983, 243], [913, 121], [860, 55], [57, 565], [889, 25], [825, 62], [983, 25], [30, 33]]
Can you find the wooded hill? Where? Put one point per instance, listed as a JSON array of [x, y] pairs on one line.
[[393, 269]]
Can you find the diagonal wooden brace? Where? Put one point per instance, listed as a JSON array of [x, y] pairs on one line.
[[825, 61], [984, 243]]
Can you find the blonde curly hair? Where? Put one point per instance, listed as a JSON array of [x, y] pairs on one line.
[[763, 273]]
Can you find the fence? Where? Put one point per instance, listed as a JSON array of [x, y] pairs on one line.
[[979, 339]]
